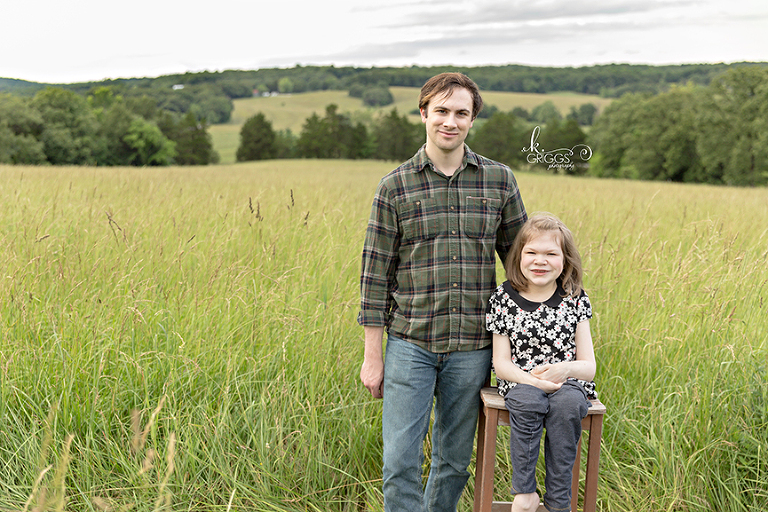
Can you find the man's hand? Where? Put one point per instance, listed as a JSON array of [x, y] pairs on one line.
[[372, 375], [372, 371]]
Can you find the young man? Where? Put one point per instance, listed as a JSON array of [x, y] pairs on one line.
[[428, 270]]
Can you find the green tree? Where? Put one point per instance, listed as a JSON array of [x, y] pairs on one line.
[[237, 89], [285, 144], [194, 145], [215, 109], [733, 127], [395, 137], [566, 137], [377, 97], [179, 101], [332, 136], [502, 138], [19, 149], [69, 127], [257, 139], [20, 127], [487, 111], [662, 142], [337, 130], [102, 98], [611, 136], [545, 112], [285, 85], [312, 141], [356, 90], [148, 144], [585, 114], [144, 106], [565, 134], [358, 144], [521, 113], [113, 126]]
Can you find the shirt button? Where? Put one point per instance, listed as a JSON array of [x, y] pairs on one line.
[[455, 285], [452, 208], [454, 258], [454, 309], [453, 232]]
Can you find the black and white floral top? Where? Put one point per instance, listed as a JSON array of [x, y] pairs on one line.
[[539, 332]]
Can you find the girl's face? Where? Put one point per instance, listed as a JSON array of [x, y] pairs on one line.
[[542, 261]]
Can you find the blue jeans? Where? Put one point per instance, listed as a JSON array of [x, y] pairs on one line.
[[413, 379], [530, 411]]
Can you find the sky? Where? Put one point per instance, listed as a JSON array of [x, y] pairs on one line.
[[55, 41]]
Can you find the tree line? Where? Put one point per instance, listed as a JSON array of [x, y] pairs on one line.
[[392, 136], [60, 127], [209, 94], [610, 80], [688, 123], [715, 134]]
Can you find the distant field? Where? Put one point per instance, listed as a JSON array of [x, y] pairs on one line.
[[289, 111]]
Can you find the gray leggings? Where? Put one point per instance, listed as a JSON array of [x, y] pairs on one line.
[[531, 410]]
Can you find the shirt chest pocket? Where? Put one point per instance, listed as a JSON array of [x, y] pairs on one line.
[[481, 216], [418, 218]]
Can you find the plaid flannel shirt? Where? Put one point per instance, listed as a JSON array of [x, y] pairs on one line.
[[429, 255]]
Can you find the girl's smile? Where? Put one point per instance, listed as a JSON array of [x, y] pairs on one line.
[[541, 263]]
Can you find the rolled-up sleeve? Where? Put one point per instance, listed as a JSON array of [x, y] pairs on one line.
[[379, 262]]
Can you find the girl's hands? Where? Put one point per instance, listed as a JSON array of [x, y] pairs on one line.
[[544, 385], [555, 373]]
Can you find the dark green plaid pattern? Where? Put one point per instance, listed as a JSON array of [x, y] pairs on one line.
[[429, 254]]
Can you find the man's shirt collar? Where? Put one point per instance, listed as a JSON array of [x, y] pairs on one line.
[[421, 161]]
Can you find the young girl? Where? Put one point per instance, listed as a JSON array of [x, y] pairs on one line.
[[543, 358]]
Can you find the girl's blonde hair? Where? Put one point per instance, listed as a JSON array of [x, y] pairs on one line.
[[540, 223]]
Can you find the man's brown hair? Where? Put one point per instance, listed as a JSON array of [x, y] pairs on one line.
[[446, 83]]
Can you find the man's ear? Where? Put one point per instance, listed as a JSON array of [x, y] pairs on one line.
[[423, 113]]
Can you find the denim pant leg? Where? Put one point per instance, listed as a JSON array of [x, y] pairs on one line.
[[527, 406], [567, 407], [460, 377], [409, 386]]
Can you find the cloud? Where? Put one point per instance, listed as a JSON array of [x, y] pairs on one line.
[[557, 32], [99, 40], [475, 43], [438, 15]]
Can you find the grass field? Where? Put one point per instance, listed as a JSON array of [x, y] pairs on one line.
[[185, 339], [290, 111]]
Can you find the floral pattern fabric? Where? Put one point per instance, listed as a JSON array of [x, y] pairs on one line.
[[539, 332]]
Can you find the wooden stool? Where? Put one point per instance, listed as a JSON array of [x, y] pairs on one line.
[[493, 404]]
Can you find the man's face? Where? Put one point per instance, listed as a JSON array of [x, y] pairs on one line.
[[448, 118]]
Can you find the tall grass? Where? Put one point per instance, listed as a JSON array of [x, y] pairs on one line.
[[185, 339], [678, 275]]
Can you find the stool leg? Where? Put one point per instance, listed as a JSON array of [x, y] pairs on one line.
[[593, 463], [486, 460], [575, 480], [482, 421]]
